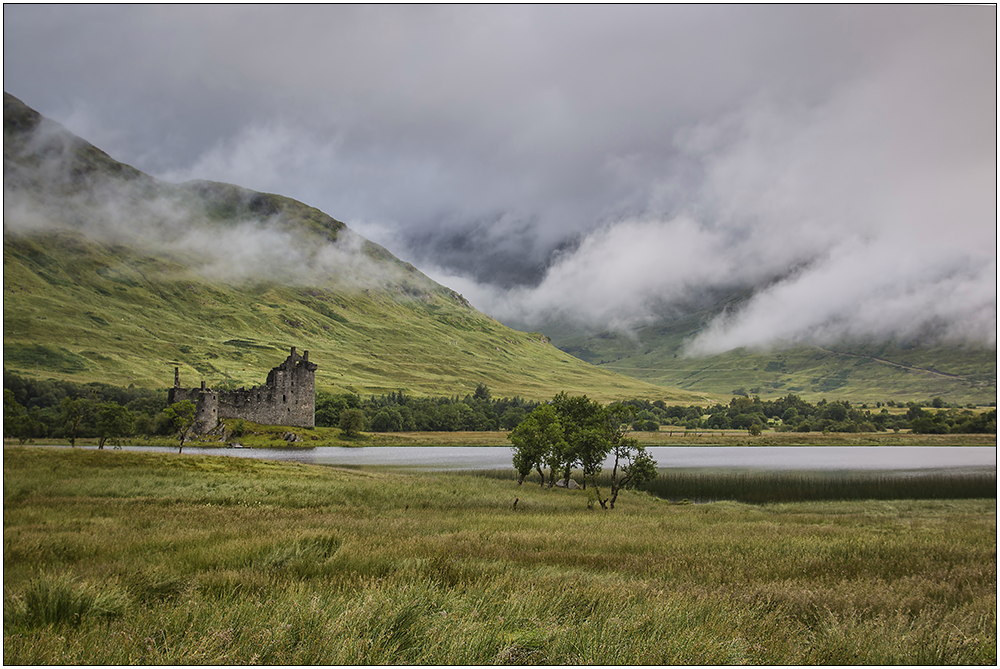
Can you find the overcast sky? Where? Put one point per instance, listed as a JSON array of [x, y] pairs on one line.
[[594, 163]]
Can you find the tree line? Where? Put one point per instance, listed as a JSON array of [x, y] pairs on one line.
[[478, 411], [36, 408], [793, 414], [39, 408], [398, 412]]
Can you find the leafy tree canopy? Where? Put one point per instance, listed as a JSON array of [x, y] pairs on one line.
[[573, 432]]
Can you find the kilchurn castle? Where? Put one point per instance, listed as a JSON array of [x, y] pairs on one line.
[[288, 397]]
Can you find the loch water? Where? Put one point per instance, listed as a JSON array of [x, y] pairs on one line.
[[718, 458]]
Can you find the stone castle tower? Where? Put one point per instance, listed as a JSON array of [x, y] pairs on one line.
[[288, 397]]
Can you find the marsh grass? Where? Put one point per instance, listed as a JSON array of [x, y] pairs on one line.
[[138, 558], [792, 486], [766, 487], [52, 599]]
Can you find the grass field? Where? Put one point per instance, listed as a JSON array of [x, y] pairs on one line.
[[137, 558]]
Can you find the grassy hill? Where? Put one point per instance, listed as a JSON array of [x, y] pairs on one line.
[[113, 276], [857, 371]]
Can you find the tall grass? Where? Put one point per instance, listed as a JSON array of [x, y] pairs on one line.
[[53, 599], [775, 487], [138, 558], [768, 487]]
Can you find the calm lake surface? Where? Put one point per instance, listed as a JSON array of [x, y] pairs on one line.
[[739, 458]]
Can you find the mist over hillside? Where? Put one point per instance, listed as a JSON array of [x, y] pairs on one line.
[[601, 165], [111, 275], [260, 249], [53, 180]]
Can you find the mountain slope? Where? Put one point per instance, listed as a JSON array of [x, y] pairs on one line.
[[111, 275], [857, 371]]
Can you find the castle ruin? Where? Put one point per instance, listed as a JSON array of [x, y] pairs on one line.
[[288, 397]]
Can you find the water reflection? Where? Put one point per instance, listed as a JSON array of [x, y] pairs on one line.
[[762, 458]]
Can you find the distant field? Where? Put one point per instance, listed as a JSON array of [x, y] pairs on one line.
[[680, 437], [136, 558], [328, 436]]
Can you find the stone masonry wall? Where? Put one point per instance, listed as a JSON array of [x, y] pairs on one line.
[[288, 397]]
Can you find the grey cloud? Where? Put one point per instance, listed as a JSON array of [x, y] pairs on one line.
[[886, 243], [599, 162]]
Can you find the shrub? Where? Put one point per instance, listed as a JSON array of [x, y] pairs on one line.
[[52, 600], [352, 421]]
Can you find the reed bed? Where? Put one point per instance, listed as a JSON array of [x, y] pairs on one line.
[[773, 487], [795, 486]]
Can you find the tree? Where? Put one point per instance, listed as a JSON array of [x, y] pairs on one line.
[[576, 430], [482, 393], [113, 422], [534, 440], [591, 430], [239, 428], [632, 467], [836, 411], [591, 449], [329, 406], [512, 417], [352, 422], [73, 413], [387, 420], [15, 418], [182, 416], [406, 415], [605, 428]]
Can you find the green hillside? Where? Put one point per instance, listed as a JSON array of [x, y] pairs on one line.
[[103, 283], [111, 275], [859, 372]]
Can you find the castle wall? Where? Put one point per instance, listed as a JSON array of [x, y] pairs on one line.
[[288, 397], [206, 404]]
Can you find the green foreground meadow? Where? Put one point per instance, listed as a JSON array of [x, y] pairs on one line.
[[115, 557]]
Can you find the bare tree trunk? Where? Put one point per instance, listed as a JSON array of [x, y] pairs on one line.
[[600, 500]]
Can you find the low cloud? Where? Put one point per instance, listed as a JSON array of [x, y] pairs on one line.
[[861, 217], [599, 164], [862, 294], [236, 252]]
